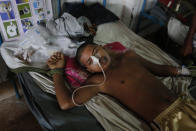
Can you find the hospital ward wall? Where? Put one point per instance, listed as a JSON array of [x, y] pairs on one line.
[[127, 10]]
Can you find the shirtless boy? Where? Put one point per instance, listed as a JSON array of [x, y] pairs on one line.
[[131, 80]]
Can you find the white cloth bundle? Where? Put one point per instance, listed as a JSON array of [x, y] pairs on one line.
[[39, 43]]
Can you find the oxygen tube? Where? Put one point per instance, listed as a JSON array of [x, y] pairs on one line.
[[95, 61]]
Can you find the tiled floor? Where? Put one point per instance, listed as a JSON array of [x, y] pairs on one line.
[[14, 113]]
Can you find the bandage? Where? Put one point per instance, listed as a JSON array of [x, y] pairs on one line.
[[56, 71], [183, 71], [95, 61]]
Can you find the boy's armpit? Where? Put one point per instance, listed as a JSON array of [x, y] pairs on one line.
[[96, 80], [86, 92]]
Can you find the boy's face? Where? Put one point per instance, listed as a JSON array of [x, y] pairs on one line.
[[97, 51]]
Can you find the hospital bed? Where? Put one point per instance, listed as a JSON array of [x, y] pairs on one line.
[[46, 110], [102, 112]]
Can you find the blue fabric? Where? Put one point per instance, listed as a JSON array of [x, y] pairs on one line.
[[104, 3], [156, 15], [59, 8], [1, 41]]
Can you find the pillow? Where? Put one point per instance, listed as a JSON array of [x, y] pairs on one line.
[[96, 13], [74, 8], [116, 46], [75, 75]]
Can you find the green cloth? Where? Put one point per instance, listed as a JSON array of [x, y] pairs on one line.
[[56, 71], [47, 72]]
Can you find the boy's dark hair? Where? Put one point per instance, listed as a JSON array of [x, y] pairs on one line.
[[80, 50]]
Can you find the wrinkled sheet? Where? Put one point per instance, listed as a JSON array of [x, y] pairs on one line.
[[106, 110]]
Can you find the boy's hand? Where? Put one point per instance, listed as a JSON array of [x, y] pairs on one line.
[[90, 29], [56, 61]]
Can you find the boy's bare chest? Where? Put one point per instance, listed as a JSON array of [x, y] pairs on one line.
[[135, 86], [125, 74]]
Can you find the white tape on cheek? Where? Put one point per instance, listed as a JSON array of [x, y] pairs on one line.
[[95, 60]]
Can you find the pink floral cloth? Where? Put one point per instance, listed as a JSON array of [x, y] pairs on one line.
[[76, 75]]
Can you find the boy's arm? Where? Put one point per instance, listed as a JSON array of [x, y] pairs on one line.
[[161, 70], [63, 95]]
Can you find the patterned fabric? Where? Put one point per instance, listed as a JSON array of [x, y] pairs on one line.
[[180, 116], [74, 73]]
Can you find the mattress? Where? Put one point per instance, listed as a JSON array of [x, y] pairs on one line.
[[45, 108]]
